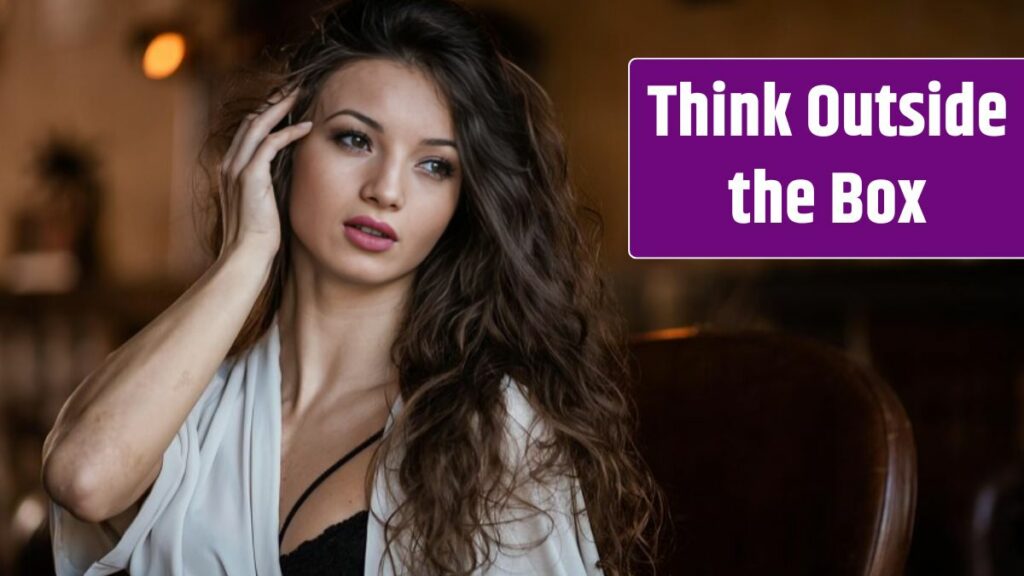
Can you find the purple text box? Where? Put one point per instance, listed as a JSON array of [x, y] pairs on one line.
[[681, 205]]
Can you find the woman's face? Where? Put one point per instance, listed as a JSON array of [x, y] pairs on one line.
[[382, 148]]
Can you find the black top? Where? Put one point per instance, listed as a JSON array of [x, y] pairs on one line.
[[341, 548]]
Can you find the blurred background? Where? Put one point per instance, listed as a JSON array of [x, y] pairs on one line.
[[104, 106]]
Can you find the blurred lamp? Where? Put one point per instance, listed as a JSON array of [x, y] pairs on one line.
[[28, 517], [164, 55]]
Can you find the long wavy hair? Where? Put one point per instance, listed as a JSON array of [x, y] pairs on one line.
[[512, 287]]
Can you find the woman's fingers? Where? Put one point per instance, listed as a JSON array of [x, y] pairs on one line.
[[259, 164], [248, 205], [257, 130], [229, 155], [243, 126], [254, 217]]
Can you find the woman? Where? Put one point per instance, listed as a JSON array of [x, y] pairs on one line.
[[400, 281]]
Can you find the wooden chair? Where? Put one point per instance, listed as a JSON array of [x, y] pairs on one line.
[[778, 456]]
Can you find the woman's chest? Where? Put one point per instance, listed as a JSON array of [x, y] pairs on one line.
[[324, 473]]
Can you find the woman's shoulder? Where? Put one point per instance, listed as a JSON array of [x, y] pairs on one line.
[[231, 380], [544, 528], [524, 423], [528, 434], [222, 397]]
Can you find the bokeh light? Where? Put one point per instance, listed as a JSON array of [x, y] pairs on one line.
[[164, 55]]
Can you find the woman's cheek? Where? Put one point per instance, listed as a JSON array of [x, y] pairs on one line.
[[309, 212]]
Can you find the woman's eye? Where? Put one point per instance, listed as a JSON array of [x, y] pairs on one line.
[[438, 168], [354, 140]]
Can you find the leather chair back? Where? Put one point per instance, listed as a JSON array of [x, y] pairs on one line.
[[778, 455]]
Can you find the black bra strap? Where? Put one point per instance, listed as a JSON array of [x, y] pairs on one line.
[[326, 473]]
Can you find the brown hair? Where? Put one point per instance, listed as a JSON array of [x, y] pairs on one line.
[[512, 287]]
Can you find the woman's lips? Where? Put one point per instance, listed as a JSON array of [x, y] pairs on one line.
[[369, 222], [367, 241]]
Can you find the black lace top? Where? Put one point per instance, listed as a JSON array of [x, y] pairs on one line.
[[338, 550]]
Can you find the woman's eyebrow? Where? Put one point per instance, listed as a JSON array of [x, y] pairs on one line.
[[359, 116], [438, 142], [378, 127]]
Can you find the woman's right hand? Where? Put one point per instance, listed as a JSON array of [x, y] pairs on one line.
[[248, 206]]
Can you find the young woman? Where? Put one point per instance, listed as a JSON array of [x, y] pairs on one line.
[[402, 361]]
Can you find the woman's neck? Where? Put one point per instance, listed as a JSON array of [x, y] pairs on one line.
[[336, 337]]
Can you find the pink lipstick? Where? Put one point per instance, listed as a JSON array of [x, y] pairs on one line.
[[370, 234]]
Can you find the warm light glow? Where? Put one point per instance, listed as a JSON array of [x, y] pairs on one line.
[[666, 334], [28, 516], [163, 55]]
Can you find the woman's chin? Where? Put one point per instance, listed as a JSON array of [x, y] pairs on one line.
[[368, 275]]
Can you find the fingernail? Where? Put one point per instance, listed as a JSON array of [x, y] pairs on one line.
[[306, 124]]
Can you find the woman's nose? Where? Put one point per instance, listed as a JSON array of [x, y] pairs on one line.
[[383, 185]]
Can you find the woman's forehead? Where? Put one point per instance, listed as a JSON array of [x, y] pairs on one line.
[[390, 92]]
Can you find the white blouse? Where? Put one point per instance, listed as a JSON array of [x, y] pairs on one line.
[[213, 509]]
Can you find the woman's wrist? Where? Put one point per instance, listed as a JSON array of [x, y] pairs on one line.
[[250, 255]]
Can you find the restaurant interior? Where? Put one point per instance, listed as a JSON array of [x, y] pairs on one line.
[[804, 416]]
